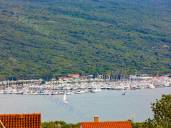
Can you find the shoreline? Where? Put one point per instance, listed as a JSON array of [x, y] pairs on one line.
[[80, 87]]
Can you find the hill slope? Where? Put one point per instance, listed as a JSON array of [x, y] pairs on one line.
[[52, 37]]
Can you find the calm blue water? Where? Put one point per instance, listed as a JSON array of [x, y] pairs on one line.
[[110, 105]]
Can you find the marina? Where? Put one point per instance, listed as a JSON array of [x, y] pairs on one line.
[[76, 84]]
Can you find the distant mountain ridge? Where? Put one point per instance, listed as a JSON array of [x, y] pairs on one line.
[[46, 38]]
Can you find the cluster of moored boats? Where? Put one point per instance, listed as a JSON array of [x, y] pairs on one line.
[[46, 90], [55, 87]]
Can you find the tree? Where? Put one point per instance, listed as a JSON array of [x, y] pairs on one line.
[[162, 113]]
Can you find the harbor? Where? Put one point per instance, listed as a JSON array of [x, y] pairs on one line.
[[76, 84], [80, 97]]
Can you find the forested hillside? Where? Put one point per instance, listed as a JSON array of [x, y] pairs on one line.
[[40, 38]]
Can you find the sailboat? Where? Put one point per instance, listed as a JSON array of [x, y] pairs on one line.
[[124, 92], [65, 99]]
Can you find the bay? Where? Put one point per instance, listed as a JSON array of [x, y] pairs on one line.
[[109, 105]]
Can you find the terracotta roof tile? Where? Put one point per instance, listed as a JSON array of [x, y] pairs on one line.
[[111, 124]]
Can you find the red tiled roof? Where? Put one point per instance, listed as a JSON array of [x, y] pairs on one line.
[[112, 124], [21, 120]]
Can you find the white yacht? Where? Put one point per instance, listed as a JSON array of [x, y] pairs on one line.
[[151, 86], [80, 92], [1, 91], [94, 90]]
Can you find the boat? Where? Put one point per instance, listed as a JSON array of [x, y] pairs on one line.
[[25, 92], [94, 90], [151, 86], [1, 91], [65, 99], [124, 91], [8, 91], [17, 92], [80, 92], [68, 93]]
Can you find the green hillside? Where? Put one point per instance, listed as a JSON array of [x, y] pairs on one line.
[[41, 38]]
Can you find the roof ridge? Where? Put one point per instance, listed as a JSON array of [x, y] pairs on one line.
[[106, 121]]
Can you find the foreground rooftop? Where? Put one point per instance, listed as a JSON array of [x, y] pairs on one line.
[[106, 124]]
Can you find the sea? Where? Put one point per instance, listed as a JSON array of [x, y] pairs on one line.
[[108, 105]]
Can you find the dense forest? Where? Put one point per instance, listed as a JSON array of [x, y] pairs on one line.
[[40, 38]]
